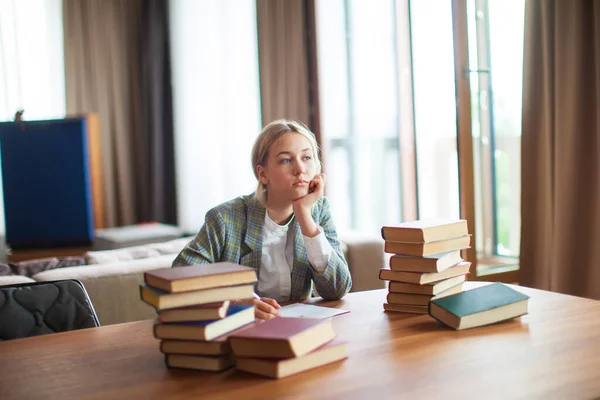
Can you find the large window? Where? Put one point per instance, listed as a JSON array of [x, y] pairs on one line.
[[435, 109], [389, 112], [216, 103], [387, 160], [496, 70], [358, 90]]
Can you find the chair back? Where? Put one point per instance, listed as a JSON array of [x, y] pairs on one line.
[[39, 308]]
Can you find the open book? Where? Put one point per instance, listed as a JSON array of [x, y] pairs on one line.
[[301, 310]]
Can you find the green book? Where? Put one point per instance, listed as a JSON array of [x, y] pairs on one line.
[[481, 306]]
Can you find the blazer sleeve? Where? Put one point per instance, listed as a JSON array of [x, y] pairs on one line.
[[208, 245], [335, 281]]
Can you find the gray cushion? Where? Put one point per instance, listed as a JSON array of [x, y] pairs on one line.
[[32, 267], [5, 270], [137, 252]]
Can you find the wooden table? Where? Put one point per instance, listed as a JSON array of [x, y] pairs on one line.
[[554, 352]]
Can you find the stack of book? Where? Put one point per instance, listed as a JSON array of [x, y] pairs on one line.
[[426, 263], [195, 314], [281, 347]]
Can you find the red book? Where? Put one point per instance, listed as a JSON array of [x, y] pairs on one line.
[[198, 277], [326, 354], [282, 338]]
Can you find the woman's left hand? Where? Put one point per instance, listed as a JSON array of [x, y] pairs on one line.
[[316, 188]]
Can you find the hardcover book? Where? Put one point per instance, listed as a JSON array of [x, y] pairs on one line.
[[481, 306], [198, 277], [429, 248], [164, 300], [202, 312], [424, 278], [430, 288], [424, 231], [410, 299], [237, 316], [405, 308], [202, 363], [214, 347], [432, 263], [282, 338], [331, 352]]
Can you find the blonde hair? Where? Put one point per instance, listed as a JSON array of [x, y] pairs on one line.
[[268, 136]]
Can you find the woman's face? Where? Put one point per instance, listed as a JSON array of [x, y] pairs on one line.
[[289, 168]]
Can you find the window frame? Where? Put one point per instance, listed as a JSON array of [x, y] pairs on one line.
[[486, 266]]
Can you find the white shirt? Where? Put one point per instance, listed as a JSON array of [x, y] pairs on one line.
[[275, 275]]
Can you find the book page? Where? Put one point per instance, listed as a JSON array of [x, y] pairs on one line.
[[301, 310]]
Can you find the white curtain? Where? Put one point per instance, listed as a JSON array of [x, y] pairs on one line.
[[216, 102], [32, 73]]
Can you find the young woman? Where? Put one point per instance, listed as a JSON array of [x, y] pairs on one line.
[[284, 230]]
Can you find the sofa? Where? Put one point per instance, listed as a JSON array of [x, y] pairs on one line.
[[112, 277]]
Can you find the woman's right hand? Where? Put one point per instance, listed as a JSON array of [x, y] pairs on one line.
[[266, 308]]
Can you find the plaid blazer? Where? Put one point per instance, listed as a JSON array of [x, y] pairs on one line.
[[233, 231]]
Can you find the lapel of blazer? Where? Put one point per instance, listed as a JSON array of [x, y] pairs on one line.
[[251, 252], [301, 264]]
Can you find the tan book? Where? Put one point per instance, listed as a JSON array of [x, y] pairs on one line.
[[198, 277], [333, 351], [405, 308], [202, 312], [432, 263], [282, 338], [202, 363], [237, 316], [429, 248], [165, 300], [426, 277], [430, 288], [424, 231], [419, 299], [214, 347]]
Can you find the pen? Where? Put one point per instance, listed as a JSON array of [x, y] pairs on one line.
[[257, 297]]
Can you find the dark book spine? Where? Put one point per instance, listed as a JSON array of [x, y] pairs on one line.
[[146, 278], [146, 300], [142, 294], [437, 319]]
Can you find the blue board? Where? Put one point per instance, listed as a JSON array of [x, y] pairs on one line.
[[46, 183]]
